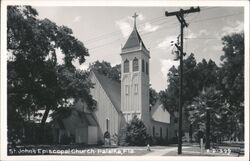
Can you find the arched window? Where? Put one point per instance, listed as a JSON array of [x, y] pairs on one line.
[[135, 64], [142, 65], [135, 88], [107, 124], [146, 67], [126, 66]]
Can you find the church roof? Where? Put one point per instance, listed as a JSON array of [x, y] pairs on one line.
[[159, 113], [134, 40], [76, 118], [112, 89]]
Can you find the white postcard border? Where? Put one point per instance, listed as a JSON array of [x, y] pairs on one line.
[[3, 99]]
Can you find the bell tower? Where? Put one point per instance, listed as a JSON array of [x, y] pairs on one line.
[[135, 78]]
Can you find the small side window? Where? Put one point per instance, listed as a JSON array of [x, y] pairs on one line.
[[127, 89], [135, 88], [147, 68], [142, 65]]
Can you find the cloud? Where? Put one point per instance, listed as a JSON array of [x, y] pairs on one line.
[[235, 27], [166, 64], [141, 17], [124, 26], [149, 27], [202, 32], [212, 48], [77, 19], [166, 43], [217, 47]]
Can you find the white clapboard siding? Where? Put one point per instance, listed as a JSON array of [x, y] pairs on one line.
[[105, 110]]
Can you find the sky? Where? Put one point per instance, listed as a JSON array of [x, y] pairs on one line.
[[104, 30]]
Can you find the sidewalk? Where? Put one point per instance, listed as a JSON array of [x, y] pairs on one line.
[[160, 152]]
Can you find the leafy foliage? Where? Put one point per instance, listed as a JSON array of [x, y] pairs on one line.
[[36, 80], [232, 73], [227, 80], [207, 103], [169, 96], [208, 99], [136, 132], [153, 96], [106, 69]]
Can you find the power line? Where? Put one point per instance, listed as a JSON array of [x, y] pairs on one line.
[[106, 36], [197, 21], [208, 8], [218, 17], [202, 38], [157, 19], [154, 20], [116, 40]]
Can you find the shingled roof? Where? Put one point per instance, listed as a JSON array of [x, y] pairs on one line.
[[134, 40], [112, 89]]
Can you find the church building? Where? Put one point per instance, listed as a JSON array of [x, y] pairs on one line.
[[118, 102]]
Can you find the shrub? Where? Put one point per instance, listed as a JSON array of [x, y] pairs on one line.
[[65, 139], [173, 140], [100, 142], [136, 132]]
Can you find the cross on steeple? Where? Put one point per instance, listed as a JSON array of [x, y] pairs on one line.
[[135, 16]]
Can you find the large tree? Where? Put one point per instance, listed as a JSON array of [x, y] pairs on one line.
[[36, 81], [153, 96], [232, 73], [170, 97], [232, 82], [196, 77], [205, 109], [105, 68], [228, 79]]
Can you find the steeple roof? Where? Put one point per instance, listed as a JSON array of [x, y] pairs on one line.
[[134, 39]]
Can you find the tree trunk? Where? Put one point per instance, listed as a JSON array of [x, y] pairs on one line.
[[42, 125], [191, 133], [207, 146]]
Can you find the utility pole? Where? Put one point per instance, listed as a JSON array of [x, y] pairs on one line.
[[180, 17]]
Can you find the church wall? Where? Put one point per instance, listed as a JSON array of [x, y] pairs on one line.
[[73, 126], [145, 96], [132, 102], [81, 135], [159, 113], [167, 130], [73, 122], [105, 110], [92, 135]]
